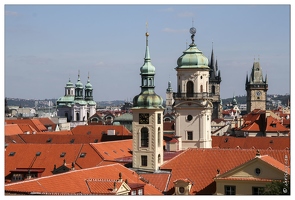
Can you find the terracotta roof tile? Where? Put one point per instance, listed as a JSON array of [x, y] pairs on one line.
[[12, 129], [35, 123], [200, 165], [25, 156], [159, 180], [279, 143], [100, 129], [114, 150], [74, 182]]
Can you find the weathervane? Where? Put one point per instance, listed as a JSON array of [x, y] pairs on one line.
[[193, 30]]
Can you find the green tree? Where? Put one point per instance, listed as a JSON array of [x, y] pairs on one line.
[[277, 188]]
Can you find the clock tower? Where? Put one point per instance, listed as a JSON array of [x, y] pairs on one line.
[[256, 88], [147, 125]]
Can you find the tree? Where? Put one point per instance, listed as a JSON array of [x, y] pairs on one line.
[[277, 188]]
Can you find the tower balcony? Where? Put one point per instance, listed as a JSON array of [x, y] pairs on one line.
[[193, 96]]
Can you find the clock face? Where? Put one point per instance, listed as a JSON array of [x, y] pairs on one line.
[[258, 93], [143, 118]]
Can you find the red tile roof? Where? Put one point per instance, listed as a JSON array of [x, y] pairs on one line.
[[25, 156], [159, 180], [225, 142], [200, 165], [76, 182], [114, 150], [12, 129], [100, 130], [35, 123]]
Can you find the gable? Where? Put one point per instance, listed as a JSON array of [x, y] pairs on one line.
[[256, 168]]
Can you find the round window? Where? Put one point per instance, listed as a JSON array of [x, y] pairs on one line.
[[181, 190], [257, 171], [189, 117]]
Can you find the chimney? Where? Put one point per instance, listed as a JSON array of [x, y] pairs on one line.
[[115, 187], [218, 172], [120, 177], [258, 154]]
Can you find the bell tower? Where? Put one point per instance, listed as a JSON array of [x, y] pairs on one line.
[[147, 125], [256, 88]]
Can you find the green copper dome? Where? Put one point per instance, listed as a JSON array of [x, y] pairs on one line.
[[88, 85], [192, 57], [148, 99], [79, 84], [69, 84]]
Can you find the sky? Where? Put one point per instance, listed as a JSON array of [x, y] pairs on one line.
[[46, 45]]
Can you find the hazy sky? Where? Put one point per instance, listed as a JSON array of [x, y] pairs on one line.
[[46, 45]]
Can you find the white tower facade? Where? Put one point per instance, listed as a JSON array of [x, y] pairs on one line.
[[193, 102]]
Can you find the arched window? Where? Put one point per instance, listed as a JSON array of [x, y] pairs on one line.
[[190, 89], [159, 158], [77, 117], [144, 137]]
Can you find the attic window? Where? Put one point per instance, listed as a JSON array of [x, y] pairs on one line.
[[72, 141], [49, 140], [96, 140], [271, 141], [225, 140], [122, 150], [89, 132], [82, 155], [38, 153], [63, 154], [12, 153], [257, 171], [114, 151], [106, 153]]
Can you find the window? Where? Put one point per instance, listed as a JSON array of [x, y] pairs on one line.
[[143, 160], [189, 118], [144, 137], [62, 154], [189, 135], [17, 177], [12, 153], [181, 190], [190, 89], [133, 192], [159, 158], [257, 190], [229, 190], [140, 192], [159, 118], [257, 171], [159, 137], [213, 89]]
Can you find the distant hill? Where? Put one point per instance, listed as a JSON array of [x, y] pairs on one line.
[[45, 103]]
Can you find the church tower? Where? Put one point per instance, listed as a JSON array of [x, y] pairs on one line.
[[169, 98], [214, 87], [193, 101], [88, 97], [147, 125], [256, 88]]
